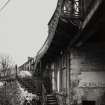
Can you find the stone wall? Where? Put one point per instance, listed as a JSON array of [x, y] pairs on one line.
[[87, 74]]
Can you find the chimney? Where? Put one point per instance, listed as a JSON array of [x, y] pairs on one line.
[[29, 58]]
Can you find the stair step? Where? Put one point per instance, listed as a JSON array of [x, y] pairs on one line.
[[52, 100], [52, 103], [50, 95]]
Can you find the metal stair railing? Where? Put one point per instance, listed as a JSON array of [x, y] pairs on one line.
[[61, 98], [44, 95]]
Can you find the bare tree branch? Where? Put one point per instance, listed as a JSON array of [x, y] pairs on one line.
[[5, 64]]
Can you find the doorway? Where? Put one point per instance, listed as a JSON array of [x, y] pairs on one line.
[[87, 102]]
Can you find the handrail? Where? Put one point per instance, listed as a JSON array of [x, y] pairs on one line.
[[61, 98], [44, 95]]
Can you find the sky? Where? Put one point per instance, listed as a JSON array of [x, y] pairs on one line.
[[23, 27]]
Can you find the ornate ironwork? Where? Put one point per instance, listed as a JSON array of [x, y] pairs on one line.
[[72, 8], [77, 8], [72, 11]]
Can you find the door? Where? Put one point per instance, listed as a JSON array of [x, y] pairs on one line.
[[86, 102]]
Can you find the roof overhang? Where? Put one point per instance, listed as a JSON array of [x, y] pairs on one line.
[[67, 33]]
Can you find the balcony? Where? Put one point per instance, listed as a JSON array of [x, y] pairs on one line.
[[76, 11]]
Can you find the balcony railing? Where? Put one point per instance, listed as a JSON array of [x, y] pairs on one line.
[[72, 8], [76, 11]]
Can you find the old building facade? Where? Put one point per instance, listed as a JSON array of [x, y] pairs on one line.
[[28, 65], [73, 56]]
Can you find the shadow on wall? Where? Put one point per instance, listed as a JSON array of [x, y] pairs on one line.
[[103, 99]]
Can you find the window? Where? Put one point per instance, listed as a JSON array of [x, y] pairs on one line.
[[58, 81], [53, 81]]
